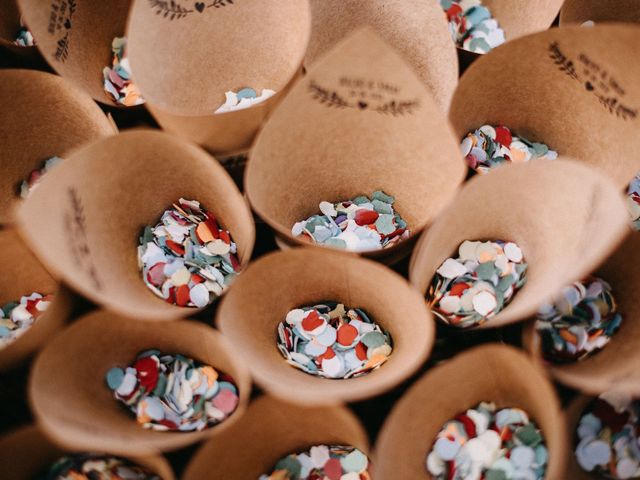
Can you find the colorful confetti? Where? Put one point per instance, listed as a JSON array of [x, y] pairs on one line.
[[329, 341], [608, 437], [633, 201], [24, 38], [187, 259], [579, 323], [471, 25], [29, 185], [245, 98], [87, 466], [468, 290], [172, 392], [356, 225], [490, 147], [328, 462], [117, 79], [17, 317], [485, 443]]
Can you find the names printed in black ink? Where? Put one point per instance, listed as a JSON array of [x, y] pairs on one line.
[[60, 24], [177, 9]]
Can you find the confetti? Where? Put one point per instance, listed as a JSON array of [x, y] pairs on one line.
[[468, 290], [608, 437], [490, 147], [29, 185], [173, 392], [633, 201], [117, 79], [330, 341], [579, 323], [187, 258], [490, 444], [17, 317], [87, 466], [244, 98], [472, 26], [330, 462], [356, 225], [24, 38]]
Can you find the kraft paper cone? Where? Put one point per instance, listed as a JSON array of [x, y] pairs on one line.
[[33, 130], [249, 316], [26, 452], [598, 11], [9, 26], [22, 274], [494, 373], [94, 206], [572, 88], [358, 122], [75, 37], [564, 216], [186, 56], [269, 431], [417, 29], [616, 365], [73, 404]]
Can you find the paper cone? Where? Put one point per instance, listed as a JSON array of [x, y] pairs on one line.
[[186, 56], [417, 29], [492, 372], [598, 11], [75, 37], [312, 149], [564, 216], [22, 274], [26, 452], [616, 365], [9, 26], [94, 206], [33, 130], [73, 404], [518, 19], [269, 431], [549, 97], [281, 281]]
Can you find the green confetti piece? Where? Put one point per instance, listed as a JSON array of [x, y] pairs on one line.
[[384, 224], [355, 461], [486, 270], [528, 435], [383, 197], [291, 464], [382, 207], [373, 340], [336, 243], [360, 200], [495, 475]]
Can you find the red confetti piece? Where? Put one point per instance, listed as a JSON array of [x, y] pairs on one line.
[[213, 225], [361, 351], [365, 217], [182, 295], [195, 278], [327, 355], [469, 426], [503, 136], [147, 373], [224, 236], [347, 334], [156, 275], [312, 321], [226, 401], [333, 469], [459, 288], [175, 247]]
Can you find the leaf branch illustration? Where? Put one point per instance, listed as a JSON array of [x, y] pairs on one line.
[[398, 108], [169, 9], [326, 97]]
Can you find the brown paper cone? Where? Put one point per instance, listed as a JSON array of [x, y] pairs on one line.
[[549, 95], [323, 143], [9, 26], [279, 282], [73, 404], [579, 11], [494, 373], [616, 365], [94, 206], [269, 431], [518, 19], [186, 56], [26, 452], [417, 29], [22, 274], [565, 217], [33, 130]]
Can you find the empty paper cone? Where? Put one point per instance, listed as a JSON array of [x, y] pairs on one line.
[[359, 121], [587, 75], [564, 216], [22, 275], [33, 130], [491, 373], [26, 453], [75, 37], [599, 11], [282, 281], [616, 365], [186, 56], [417, 29], [269, 431], [75, 407], [85, 219]]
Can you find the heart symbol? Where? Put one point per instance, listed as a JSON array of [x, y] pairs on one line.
[[67, 24], [588, 86], [200, 6], [363, 105]]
